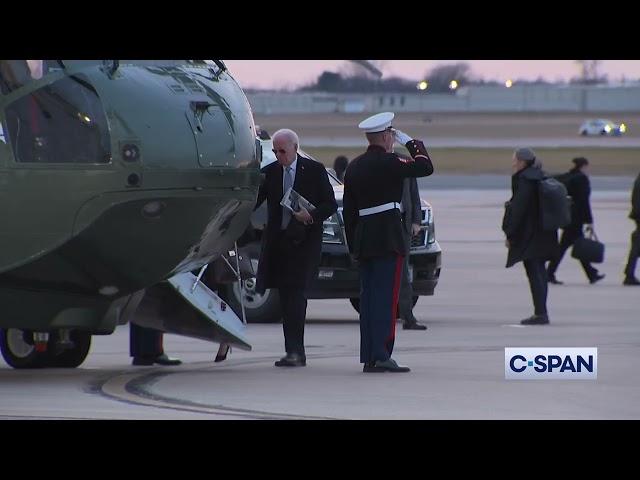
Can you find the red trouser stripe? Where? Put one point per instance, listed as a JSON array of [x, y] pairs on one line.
[[396, 292]]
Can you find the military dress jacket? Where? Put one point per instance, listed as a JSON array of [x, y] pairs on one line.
[[376, 178]]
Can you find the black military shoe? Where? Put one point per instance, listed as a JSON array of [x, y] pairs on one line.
[[389, 365], [631, 281], [160, 360], [554, 280], [596, 278], [142, 361], [536, 320], [370, 367], [291, 360], [164, 359]]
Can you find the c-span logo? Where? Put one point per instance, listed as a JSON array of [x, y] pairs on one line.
[[551, 363]]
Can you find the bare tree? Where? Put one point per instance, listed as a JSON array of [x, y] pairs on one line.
[[589, 72], [440, 77], [371, 69]]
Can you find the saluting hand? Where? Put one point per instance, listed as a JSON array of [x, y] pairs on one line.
[[401, 137], [303, 216]]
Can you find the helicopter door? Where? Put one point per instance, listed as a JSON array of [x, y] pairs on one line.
[[213, 133]]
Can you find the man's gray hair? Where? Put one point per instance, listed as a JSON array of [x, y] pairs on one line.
[[290, 134], [528, 156]]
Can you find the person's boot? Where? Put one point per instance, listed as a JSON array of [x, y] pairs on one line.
[[596, 278], [631, 281]]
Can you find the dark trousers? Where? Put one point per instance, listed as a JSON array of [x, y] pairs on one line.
[[144, 342], [379, 290], [294, 312], [569, 237], [634, 252], [538, 284], [405, 300]]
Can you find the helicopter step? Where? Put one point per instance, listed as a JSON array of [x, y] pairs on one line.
[[185, 306]]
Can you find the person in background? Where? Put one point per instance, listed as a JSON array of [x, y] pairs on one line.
[[634, 251], [579, 189], [340, 166], [411, 219], [526, 240]]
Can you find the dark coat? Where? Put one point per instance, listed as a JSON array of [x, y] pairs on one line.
[[375, 178], [522, 220], [579, 188], [412, 211], [293, 258], [635, 200]]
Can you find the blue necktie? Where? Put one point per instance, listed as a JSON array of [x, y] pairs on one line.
[[288, 183]]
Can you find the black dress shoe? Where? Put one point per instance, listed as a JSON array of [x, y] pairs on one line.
[[142, 361], [292, 360], [536, 320], [160, 360], [370, 367], [596, 278], [389, 365], [631, 281], [166, 360], [413, 326], [554, 280]]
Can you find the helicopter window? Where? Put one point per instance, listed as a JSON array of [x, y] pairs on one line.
[[63, 122]]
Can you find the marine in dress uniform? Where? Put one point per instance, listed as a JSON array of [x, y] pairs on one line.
[[373, 226]]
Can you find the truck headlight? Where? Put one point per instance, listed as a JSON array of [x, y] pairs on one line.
[[431, 227], [331, 232]]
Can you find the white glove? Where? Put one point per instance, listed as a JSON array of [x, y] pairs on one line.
[[402, 138]]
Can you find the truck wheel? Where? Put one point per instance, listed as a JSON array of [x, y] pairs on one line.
[[258, 308], [17, 349], [73, 357], [355, 302]]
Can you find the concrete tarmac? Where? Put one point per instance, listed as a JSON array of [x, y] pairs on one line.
[[457, 364]]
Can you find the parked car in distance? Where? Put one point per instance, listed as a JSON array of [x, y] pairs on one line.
[[602, 126]]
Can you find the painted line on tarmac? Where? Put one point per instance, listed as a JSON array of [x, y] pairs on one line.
[[133, 388]]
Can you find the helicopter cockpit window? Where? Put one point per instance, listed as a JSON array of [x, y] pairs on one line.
[[63, 122]]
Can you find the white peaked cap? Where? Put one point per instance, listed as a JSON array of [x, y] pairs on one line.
[[377, 123]]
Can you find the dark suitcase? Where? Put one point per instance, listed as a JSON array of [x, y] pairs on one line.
[[588, 249]]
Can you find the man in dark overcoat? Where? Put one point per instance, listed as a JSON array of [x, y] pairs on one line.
[[292, 241], [411, 219], [634, 251], [522, 225]]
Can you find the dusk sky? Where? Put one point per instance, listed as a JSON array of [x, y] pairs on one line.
[[293, 73]]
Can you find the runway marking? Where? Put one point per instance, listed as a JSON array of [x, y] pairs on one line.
[[131, 388]]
